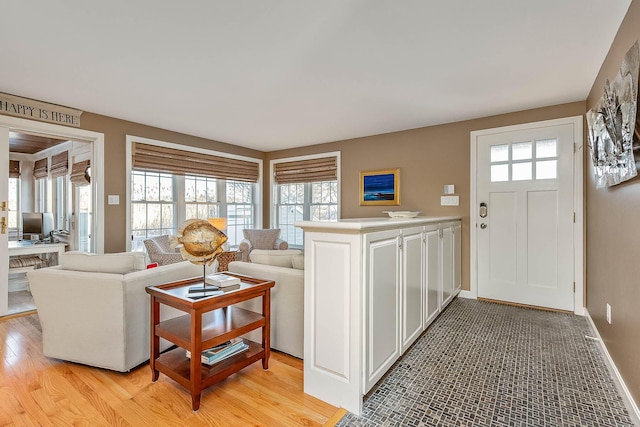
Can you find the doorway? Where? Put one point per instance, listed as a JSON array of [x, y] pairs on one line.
[[95, 155], [526, 187]]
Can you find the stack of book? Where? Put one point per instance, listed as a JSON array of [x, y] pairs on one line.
[[221, 280], [216, 354]]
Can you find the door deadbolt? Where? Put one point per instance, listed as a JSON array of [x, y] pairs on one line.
[[483, 210]]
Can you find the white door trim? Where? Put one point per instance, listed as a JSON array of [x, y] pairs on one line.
[[97, 162], [578, 226]]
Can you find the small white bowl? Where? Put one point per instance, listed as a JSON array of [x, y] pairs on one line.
[[402, 214]]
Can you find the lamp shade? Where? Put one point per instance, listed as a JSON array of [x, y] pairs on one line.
[[219, 223]]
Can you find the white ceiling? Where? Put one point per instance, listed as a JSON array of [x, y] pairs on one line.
[[278, 74]]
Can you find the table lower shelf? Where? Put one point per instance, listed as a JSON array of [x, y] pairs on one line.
[[177, 366]]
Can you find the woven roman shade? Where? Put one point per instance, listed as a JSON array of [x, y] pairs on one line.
[[180, 162], [14, 168], [40, 168], [310, 170], [59, 164], [80, 173]]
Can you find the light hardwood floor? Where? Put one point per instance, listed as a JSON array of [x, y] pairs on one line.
[[36, 390]]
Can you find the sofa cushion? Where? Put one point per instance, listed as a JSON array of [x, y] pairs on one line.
[[298, 261], [120, 263], [262, 238], [279, 258]]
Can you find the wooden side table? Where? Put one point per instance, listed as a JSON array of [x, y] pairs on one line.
[[209, 321]]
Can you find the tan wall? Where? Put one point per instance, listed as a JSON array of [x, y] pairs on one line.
[[115, 132], [613, 239], [428, 159]]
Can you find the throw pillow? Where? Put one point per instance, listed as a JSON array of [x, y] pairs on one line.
[[275, 257], [298, 261], [262, 238], [119, 263]]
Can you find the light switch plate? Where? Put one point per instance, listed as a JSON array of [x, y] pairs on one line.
[[449, 200], [449, 189], [113, 199]]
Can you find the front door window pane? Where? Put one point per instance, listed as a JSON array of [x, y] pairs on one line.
[[499, 153], [522, 150], [521, 171], [499, 173], [546, 148], [547, 169]]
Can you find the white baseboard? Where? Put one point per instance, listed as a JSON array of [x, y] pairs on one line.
[[627, 395], [467, 294]]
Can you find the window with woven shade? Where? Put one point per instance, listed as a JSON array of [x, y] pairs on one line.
[[306, 189], [14, 168], [59, 164], [171, 185], [155, 158], [41, 168], [80, 173], [308, 170]]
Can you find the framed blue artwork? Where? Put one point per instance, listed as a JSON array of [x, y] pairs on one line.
[[380, 187]]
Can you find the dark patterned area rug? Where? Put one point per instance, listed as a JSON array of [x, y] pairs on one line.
[[487, 364]]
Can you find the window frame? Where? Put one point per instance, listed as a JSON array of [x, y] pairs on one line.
[[179, 188], [276, 190]]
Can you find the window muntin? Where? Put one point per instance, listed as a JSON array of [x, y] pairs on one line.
[[201, 197], [315, 201], [518, 161], [153, 206], [240, 209], [61, 202], [160, 202], [13, 203], [84, 218]]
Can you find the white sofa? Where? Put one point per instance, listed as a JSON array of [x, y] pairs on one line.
[[287, 299], [94, 310]]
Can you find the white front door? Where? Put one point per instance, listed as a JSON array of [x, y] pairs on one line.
[[524, 215], [4, 236]]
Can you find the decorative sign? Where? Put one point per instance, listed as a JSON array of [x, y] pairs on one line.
[[30, 109]]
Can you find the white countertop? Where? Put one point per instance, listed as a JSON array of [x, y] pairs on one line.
[[367, 224]]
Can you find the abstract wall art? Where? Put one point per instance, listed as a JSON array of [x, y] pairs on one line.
[[612, 125]]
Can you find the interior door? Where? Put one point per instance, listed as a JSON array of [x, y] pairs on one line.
[[4, 236], [525, 216]]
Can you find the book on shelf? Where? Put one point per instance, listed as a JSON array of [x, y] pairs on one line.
[[220, 352], [221, 280]]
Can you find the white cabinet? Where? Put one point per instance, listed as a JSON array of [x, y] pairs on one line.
[[433, 289], [457, 256], [446, 244], [382, 312], [451, 241], [412, 285], [371, 288]]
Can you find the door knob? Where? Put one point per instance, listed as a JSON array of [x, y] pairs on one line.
[[3, 225], [3, 206], [483, 225]]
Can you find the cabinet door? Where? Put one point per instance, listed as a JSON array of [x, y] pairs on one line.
[[432, 295], [412, 285], [457, 257], [447, 265], [382, 311]]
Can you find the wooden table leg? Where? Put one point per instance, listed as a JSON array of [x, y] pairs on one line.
[[266, 331], [196, 366], [155, 340], [195, 401]]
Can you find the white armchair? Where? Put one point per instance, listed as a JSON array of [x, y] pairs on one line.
[[260, 239], [94, 309], [159, 250]]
